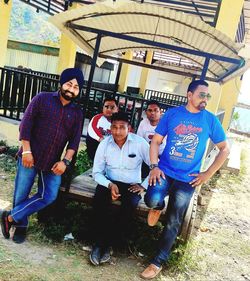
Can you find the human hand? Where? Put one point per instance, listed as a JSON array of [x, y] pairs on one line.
[[155, 175], [59, 168], [136, 188], [114, 191], [200, 178], [28, 160]]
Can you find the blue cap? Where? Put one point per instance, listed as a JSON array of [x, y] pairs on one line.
[[72, 73]]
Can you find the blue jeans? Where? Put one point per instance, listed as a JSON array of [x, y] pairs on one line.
[[180, 194], [23, 205]]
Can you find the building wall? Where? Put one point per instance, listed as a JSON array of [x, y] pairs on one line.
[[157, 80], [38, 62]]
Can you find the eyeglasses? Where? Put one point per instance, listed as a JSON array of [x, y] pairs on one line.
[[203, 95], [109, 106]]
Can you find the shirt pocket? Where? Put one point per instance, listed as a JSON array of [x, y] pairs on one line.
[[132, 163]]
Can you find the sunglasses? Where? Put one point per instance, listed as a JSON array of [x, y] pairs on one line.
[[203, 95]]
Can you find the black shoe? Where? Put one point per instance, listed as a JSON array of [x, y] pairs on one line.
[[20, 235], [5, 224], [106, 256], [95, 255]]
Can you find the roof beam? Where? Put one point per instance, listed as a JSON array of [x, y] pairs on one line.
[[153, 43], [160, 68]]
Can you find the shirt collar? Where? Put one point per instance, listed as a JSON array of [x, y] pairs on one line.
[[56, 94]]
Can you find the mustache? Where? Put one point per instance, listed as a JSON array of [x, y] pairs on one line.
[[69, 92]]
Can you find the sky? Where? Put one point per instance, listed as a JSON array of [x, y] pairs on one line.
[[244, 95]]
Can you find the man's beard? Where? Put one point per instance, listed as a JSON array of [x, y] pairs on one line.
[[65, 96], [202, 105]]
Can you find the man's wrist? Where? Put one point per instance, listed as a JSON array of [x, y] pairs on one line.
[[152, 166], [109, 185], [26, 152], [66, 162]]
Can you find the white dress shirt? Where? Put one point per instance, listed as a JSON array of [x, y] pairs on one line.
[[113, 163]]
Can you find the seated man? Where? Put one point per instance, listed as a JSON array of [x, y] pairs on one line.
[[117, 170], [187, 129], [147, 128], [99, 126]]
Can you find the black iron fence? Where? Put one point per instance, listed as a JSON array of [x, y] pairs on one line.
[[165, 98], [30, 71], [17, 88]]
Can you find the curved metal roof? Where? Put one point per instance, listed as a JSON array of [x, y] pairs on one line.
[[182, 41]]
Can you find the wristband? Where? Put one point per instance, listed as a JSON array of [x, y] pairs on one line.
[[26, 152]]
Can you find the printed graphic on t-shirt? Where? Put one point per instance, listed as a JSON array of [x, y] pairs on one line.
[[104, 132], [185, 142]]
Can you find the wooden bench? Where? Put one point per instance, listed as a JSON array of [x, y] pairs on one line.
[[82, 188]]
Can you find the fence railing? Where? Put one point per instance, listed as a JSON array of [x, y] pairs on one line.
[[17, 88], [165, 98], [30, 71]]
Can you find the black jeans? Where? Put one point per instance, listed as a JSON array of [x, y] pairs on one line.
[[110, 227], [92, 145]]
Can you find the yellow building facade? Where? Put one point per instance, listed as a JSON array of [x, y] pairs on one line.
[[5, 11], [225, 96]]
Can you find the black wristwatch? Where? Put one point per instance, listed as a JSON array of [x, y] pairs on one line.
[[152, 166], [66, 162]]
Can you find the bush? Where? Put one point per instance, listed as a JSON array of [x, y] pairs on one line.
[[3, 143], [12, 150], [83, 163]]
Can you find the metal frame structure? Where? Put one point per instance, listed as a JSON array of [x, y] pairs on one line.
[[238, 63]]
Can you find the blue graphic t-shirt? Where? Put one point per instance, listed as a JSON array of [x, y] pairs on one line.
[[187, 134]]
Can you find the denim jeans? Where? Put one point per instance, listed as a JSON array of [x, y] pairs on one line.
[[23, 205], [109, 228], [180, 194]]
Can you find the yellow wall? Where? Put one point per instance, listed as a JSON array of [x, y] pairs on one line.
[[227, 23], [229, 17], [123, 81], [229, 97], [145, 72], [5, 11], [215, 91], [67, 52]]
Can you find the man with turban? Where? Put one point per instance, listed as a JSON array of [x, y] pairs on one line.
[[50, 122]]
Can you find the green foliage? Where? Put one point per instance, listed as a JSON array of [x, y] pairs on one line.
[[83, 163], [181, 258], [3, 143], [8, 163], [236, 116], [12, 150]]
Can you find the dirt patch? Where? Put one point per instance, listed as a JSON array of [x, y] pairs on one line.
[[219, 249]]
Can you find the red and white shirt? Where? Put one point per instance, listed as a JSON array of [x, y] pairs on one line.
[[99, 127]]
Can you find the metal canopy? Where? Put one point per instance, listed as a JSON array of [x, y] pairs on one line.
[[128, 25]]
